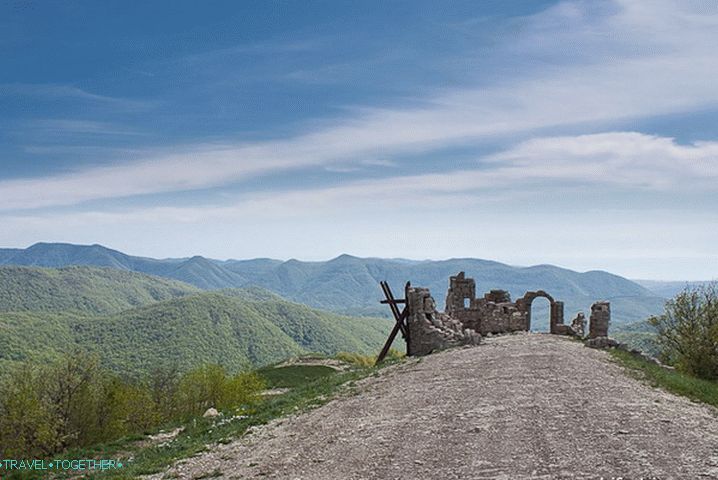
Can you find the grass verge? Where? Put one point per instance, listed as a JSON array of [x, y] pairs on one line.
[[293, 376], [675, 382]]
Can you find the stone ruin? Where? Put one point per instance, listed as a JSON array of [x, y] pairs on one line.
[[431, 330], [467, 318]]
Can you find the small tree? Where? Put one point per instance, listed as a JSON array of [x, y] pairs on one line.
[[28, 425], [210, 386], [163, 383], [72, 390], [688, 331]]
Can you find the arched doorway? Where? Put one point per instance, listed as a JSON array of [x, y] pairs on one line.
[[540, 315], [555, 309]]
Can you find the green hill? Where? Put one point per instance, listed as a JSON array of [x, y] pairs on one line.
[[136, 322], [640, 335], [82, 289], [230, 330]]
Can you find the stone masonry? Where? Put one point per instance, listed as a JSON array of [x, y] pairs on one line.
[[600, 319], [430, 330], [467, 318]]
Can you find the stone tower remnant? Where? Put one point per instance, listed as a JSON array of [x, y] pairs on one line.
[[600, 319]]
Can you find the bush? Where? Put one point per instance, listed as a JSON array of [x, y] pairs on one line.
[[210, 386], [367, 360], [28, 426], [356, 359], [688, 331], [74, 403]]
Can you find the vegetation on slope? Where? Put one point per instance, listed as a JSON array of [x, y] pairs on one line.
[[674, 381], [89, 290], [686, 336], [72, 402], [203, 328], [167, 397], [91, 309], [687, 332]]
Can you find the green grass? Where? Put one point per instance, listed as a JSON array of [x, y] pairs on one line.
[[313, 387], [293, 375], [675, 382]]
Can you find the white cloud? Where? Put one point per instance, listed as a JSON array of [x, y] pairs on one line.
[[628, 159], [614, 161], [493, 211], [658, 60]]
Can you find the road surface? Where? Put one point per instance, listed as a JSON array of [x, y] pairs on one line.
[[517, 406]]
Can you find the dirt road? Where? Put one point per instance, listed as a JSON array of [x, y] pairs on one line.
[[519, 406]]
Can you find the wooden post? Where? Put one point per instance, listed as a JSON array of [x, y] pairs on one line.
[[399, 317]]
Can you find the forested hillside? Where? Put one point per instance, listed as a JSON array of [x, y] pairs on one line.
[[82, 289], [135, 322]]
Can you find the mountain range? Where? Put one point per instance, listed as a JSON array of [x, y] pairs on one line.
[[669, 289], [136, 322], [349, 285]]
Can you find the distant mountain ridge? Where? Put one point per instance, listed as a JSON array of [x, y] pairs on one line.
[[671, 288], [349, 284]]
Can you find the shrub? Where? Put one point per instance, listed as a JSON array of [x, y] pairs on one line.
[[210, 386], [688, 331], [366, 360], [28, 426], [74, 403], [356, 359]]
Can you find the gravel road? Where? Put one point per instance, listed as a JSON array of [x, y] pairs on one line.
[[517, 406]]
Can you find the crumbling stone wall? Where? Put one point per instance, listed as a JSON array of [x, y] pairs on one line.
[[430, 330], [467, 318], [599, 320], [494, 313], [578, 325]]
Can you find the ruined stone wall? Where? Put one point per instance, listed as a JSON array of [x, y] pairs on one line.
[[467, 318], [494, 313], [461, 293], [500, 317], [430, 330], [599, 320]]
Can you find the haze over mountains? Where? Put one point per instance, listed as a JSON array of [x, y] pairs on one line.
[[349, 284]]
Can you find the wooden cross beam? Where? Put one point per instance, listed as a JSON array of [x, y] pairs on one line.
[[400, 316]]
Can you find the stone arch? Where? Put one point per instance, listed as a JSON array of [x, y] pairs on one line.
[[556, 309]]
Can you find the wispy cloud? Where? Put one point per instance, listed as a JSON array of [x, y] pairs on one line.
[[614, 161], [65, 126], [627, 161], [673, 74], [54, 91], [257, 48]]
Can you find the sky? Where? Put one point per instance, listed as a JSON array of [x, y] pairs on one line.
[[577, 133]]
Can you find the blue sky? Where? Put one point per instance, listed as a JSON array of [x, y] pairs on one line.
[[583, 134]]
